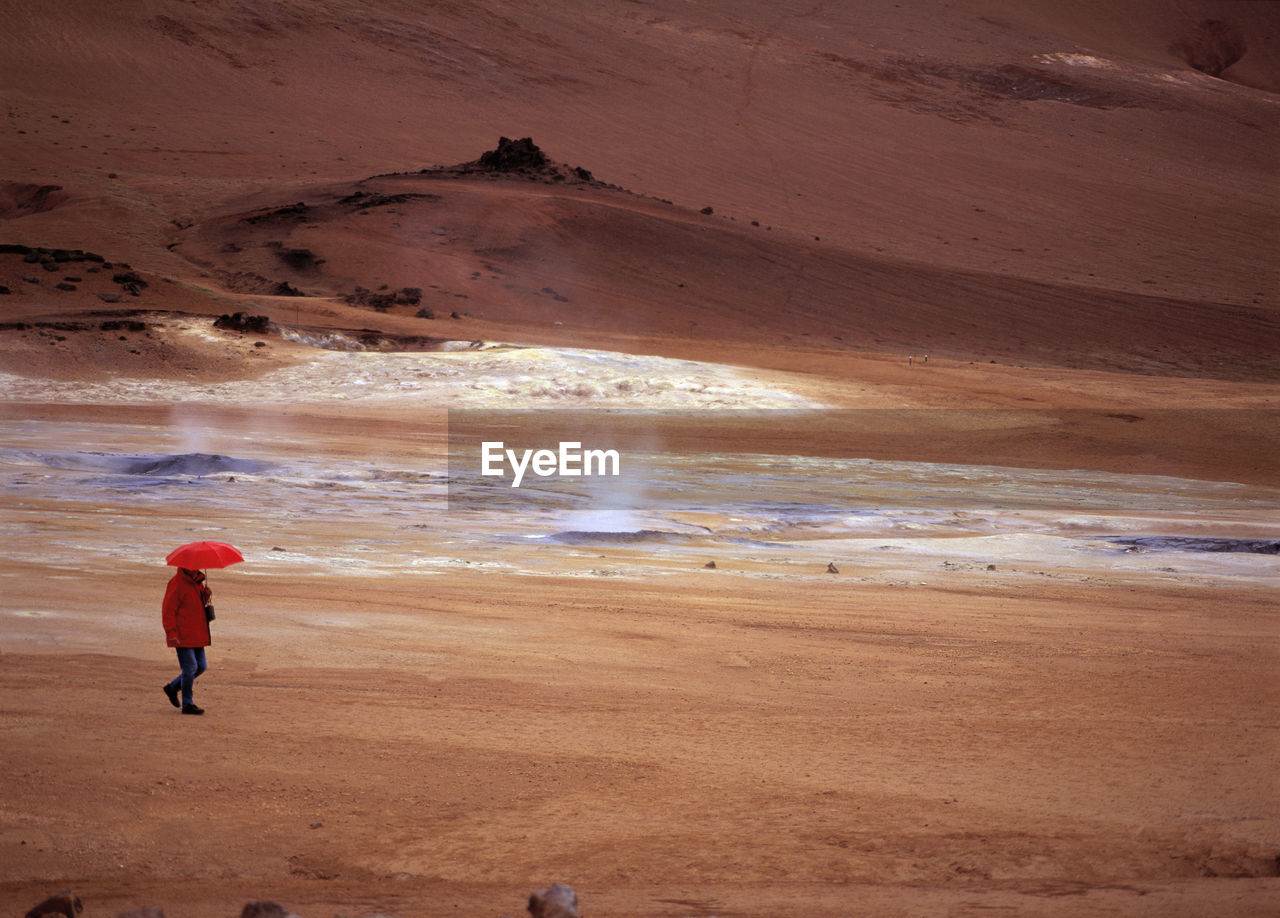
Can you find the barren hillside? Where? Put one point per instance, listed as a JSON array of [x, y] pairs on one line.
[[1017, 183]]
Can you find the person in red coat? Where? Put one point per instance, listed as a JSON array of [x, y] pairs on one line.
[[186, 628]]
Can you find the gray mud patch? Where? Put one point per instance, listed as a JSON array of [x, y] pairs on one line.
[[1199, 543], [582, 537], [173, 465]]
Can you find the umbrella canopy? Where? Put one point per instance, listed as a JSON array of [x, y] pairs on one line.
[[196, 556]]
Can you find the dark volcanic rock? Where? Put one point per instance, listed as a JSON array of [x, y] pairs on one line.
[[243, 322], [514, 156], [265, 910], [300, 259], [289, 212], [381, 302], [408, 296], [362, 296], [130, 282], [64, 903], [364, 200], [558, 901], [33, 254]]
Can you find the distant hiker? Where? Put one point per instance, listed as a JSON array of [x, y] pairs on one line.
[[186, 614], [911, 359]]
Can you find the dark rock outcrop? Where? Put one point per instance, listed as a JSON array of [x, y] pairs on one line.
[[381, 302], [263, 909], [64, 903], [557, 901], [243, 322], [300, 259], [520, 155], [520, 158]]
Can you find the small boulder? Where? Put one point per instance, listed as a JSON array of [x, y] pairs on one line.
[[243, 322], [64, 903], [264, 909], [128, 279], [557, 901], [300, 259], [408, 296]]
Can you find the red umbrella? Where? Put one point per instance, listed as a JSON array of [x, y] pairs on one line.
[[197, 556]]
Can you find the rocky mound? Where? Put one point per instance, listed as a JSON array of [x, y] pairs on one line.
[[513, 156], [520, 157]]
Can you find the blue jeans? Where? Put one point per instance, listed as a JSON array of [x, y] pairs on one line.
[[191, 659]]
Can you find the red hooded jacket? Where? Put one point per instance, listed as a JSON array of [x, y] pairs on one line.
[[185, 624]]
